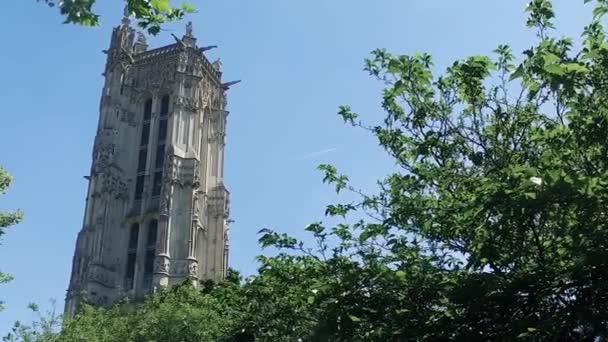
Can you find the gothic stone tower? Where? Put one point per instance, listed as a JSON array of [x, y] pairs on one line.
[[157, 208]]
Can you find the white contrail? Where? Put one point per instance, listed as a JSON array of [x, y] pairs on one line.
[[318, 153]]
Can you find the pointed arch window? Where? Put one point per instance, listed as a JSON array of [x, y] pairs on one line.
[[141, 162], [145, 132], [160, 148], [143, 150], [158, 183], [160, 156], [164, 111], [152, 234], [133, 236], [150, 251], [139, 187], [148, 110], [164, 106], [162, 130], [132, 255]]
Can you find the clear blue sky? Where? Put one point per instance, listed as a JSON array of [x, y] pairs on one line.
[[298, 61]]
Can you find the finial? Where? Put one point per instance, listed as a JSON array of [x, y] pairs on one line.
[[189, 29], [141, 44], [141, 38], [125, 15], [218, 64]]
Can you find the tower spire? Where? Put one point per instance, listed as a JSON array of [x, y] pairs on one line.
[[125, 15], [144, 163], [188, 38], [189, 29]]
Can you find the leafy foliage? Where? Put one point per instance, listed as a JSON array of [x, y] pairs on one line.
[[43, 329], [151, 14], [7, 219]]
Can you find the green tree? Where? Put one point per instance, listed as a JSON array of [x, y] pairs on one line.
[[151, 14], [494, 228], [44, 329], [497, 214], [7, 219]]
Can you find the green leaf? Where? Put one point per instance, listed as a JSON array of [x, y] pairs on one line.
[[518, 73], [551, 58], [599, 11], [575, 67], [188, 8], [354, 318], [162, 6], [315, 228], [531, 195], [533, 88], [555, 69]]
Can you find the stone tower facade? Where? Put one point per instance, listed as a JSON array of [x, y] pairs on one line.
[[156, 210]]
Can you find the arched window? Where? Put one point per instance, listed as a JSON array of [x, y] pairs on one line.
[[139, 187], [164, 106], [150, 252], [133, 236], [145, 134], [152, 233], [162, 125], [143, 150], [162, 130], [131, 255], [160, 156], [148, 110], [160, 148], [158, 183], [141, 161]]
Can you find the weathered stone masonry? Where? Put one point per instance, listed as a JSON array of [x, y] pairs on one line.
[[156, 209]]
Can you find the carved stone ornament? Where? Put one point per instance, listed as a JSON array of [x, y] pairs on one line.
[[196, 66], [218, 127], [161, 265], [179, 171], [195, 204], [217, 205], [165, 202], [205, 92], [196, 175], [182, 61], [218, 100], [100, 275], [128, 117], [113, 185], [103, 155], [193, 269], [171, 172], [190, 63], [161, 76], [188, 104]]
